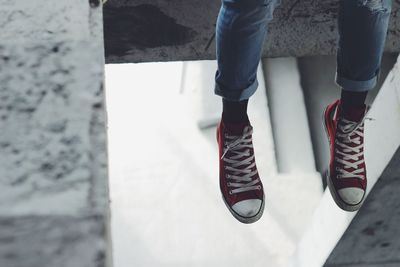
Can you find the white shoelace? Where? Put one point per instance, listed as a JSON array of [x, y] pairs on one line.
[[242, 177], [352, 132]]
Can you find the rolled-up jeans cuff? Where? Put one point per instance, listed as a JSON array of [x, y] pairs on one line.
[[236, 95], [356, 86]]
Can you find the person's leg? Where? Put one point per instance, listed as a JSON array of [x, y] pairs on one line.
[[240, 33], [362, 32], [234, 111]]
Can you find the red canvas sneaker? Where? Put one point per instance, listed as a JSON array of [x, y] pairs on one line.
[[240, 184], [347, 174]]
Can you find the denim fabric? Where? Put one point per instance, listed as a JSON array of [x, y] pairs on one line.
[[362, 33], [241, 30]]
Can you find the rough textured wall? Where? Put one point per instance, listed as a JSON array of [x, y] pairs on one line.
[[53, 183], [165, 30]]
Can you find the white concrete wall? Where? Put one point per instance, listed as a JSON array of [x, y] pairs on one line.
[[290, 126], [53, 164]]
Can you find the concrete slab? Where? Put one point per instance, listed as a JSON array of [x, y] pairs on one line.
[[53, 163], [19, 21], [47, 154], [155, 30], [47, 241]]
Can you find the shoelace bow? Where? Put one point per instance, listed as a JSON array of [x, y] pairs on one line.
[[350, 133], [241, 169]]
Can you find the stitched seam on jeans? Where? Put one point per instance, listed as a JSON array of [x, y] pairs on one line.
[[374, 5]]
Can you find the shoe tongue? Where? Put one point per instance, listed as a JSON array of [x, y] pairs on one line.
[[235, 128], [355, 114]]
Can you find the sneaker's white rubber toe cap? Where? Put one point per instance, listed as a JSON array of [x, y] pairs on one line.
[[247, 208], [351, 195]]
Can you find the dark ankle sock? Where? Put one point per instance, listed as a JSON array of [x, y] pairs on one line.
[[234, 111], [352, 102]]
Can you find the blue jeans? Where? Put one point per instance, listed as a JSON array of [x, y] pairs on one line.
[[241, 30]]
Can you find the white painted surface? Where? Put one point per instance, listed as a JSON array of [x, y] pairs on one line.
[[166, 205], [289, 117], [381, 141], [297, 190]]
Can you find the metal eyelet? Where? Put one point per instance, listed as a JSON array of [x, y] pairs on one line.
[[230, 192]]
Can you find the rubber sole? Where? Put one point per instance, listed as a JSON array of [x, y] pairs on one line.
[[246, 220], [341, 204]]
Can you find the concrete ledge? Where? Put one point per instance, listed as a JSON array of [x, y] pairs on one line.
[[53, 160], [47, 153], [22, 20], [154, 30], [52, 241]]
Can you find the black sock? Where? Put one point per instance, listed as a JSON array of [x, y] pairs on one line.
[[351, 101], [234, 111]]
